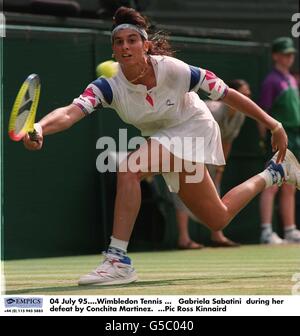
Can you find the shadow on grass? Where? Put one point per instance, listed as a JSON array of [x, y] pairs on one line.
[[139, 284], [107, 287]]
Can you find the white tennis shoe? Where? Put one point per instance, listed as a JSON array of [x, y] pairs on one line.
[[114, 270], [287, 171], [271, 238], [292, 236]]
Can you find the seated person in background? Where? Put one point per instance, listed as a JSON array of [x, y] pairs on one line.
[[230, 122], [280, 98]]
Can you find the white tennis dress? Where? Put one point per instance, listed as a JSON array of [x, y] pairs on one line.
[[170, 109]]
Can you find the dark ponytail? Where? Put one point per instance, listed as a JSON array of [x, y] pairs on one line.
[[159, 40]]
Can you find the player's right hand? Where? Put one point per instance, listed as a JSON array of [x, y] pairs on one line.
[[279, 142], [38, 142]]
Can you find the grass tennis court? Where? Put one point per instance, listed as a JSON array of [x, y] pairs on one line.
[[247, 270]]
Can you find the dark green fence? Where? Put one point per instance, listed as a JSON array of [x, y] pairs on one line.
[[55, 201], [52, 204]]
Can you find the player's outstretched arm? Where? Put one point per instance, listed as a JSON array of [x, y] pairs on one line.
[[56, 121], [247, 106]]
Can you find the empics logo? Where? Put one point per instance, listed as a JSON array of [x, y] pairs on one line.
[[20, 302], [296, 26]]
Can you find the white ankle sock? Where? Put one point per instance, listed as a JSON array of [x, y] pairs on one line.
[[118, 244], [271, 177], [266, 228], [266, 175]]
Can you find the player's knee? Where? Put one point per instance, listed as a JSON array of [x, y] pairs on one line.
[[287, 189], [272, 191]]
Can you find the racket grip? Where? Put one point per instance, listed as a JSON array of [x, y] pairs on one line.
[[33, 136]]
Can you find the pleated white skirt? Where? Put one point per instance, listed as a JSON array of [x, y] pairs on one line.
[[196, 140]]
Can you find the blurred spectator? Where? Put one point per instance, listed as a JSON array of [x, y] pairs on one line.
[[280, 98]]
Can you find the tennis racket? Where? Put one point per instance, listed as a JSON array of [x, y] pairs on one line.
[[23, 113]]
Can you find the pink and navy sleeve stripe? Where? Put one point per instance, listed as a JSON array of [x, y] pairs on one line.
[[97, 94], [195, 77], [208, 82], [105, 88]]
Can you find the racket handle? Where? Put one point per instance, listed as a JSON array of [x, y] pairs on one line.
[[33, 136]]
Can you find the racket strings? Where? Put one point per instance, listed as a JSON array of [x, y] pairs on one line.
[[24, 109]]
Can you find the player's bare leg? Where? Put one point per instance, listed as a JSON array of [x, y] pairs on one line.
[[149, 161], [117, 267], [204, 201]]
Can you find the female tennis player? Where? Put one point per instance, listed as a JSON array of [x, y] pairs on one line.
[[157, 93]]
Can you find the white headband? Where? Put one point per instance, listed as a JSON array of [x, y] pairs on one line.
[[141, 31]]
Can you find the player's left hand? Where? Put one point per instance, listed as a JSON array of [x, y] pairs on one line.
[[279, 143]]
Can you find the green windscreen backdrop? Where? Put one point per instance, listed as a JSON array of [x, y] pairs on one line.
[[56, 203], [52, 201]]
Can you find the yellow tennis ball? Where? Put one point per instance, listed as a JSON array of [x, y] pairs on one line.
[[107, 69]]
